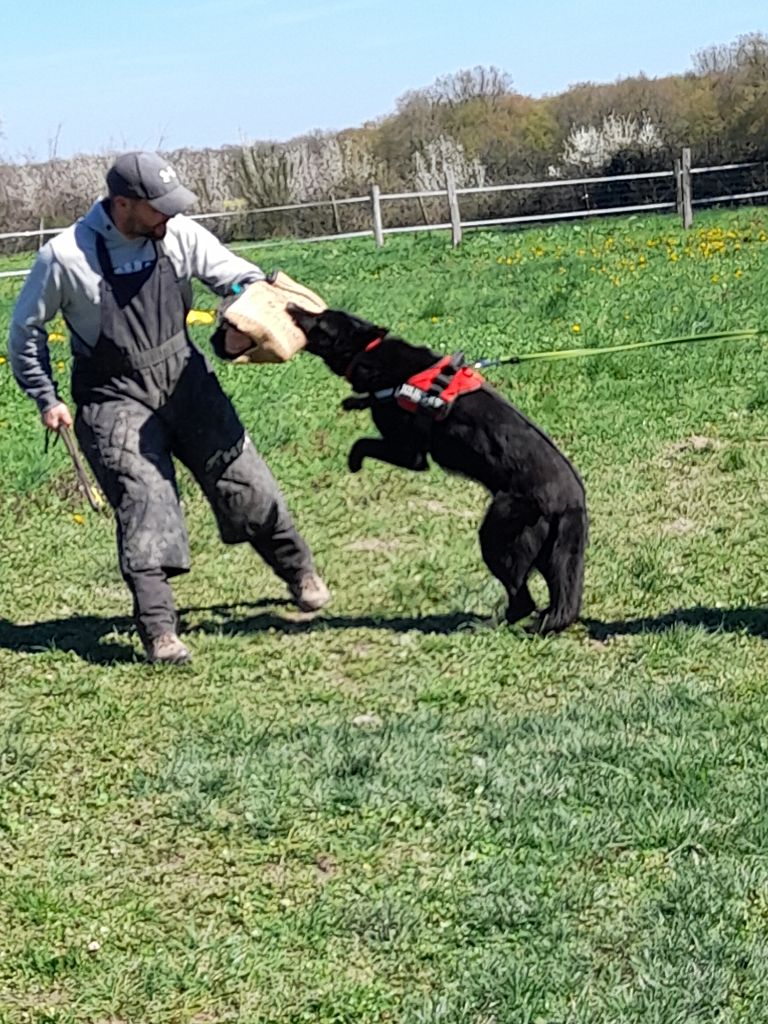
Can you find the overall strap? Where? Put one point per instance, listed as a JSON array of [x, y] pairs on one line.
[[159, 353]]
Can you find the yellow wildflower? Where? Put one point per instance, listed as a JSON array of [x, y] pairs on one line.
[[576, 328], [200, 316], [78, 518]]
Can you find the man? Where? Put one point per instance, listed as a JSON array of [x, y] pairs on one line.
[[143, 392]]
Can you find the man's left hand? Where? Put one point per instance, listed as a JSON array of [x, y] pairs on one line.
[[57, 416]]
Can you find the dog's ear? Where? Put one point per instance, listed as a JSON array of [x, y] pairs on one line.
[[371, 332], [363, 331]]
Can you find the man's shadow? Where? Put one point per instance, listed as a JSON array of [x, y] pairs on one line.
[[258, 621], [84, 635], [80, 634]]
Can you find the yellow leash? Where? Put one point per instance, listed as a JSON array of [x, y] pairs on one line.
[[574, 353]]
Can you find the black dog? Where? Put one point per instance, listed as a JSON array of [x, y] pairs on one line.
[[538, 516]]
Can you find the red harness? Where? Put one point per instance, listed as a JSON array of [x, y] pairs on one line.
[[422, 391], [432, 391]]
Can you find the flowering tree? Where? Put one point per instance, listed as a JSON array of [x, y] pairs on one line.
[[593, 148], [434, 158]]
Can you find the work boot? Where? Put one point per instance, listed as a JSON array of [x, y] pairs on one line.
[[167, 649], [310, 592]]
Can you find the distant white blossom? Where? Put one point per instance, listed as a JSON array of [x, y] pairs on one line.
[[589, 147], [435, 157]]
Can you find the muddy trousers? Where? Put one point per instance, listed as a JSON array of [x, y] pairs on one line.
[[154, 609], [130, 435]]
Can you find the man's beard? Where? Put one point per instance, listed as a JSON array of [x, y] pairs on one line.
[[156, 233]]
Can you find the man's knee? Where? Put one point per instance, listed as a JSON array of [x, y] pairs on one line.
[[244, 513], [246, 498]]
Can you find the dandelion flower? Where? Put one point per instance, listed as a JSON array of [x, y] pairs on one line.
[[200, 316]]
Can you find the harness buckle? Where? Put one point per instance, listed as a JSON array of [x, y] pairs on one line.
[[421, 400]]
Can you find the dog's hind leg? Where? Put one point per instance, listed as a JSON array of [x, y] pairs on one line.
[[511, 537], [562, 565]]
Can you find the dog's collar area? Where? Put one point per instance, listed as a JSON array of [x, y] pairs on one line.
[[368, 348]]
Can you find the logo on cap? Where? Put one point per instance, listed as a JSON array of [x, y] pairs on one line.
[[167, 174]]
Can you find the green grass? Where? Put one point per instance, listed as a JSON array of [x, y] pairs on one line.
[[401, 811]]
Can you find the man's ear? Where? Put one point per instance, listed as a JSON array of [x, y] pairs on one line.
[[301, 317]]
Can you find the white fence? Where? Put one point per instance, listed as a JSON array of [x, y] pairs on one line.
[[681, 181]]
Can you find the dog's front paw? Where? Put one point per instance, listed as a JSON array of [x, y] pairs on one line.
[[355, 458]]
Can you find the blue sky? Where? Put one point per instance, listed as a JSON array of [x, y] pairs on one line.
[[97, 75]]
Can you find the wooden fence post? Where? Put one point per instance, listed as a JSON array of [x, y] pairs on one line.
[[676, 170], [335, 209], [378, 229], [685, 188], [453, 206]]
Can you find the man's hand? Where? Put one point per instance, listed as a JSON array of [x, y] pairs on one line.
[[58, 416]]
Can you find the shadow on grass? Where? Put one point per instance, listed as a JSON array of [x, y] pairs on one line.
[[748, 619], [307, 623], [83, 634], [78, 634]]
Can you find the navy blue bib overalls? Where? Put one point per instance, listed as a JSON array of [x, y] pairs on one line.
[[147, 394]]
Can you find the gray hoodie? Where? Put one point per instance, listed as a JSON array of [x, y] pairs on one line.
[[66, 276]]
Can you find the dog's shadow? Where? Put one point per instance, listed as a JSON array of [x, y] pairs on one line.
[[747, 619], [84, 635]]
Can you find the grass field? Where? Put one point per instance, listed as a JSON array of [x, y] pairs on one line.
[[400, 811]]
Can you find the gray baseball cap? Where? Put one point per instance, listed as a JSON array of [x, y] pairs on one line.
[[149, 176]]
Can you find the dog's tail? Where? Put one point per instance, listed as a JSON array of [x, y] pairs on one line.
[[564, 571]]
